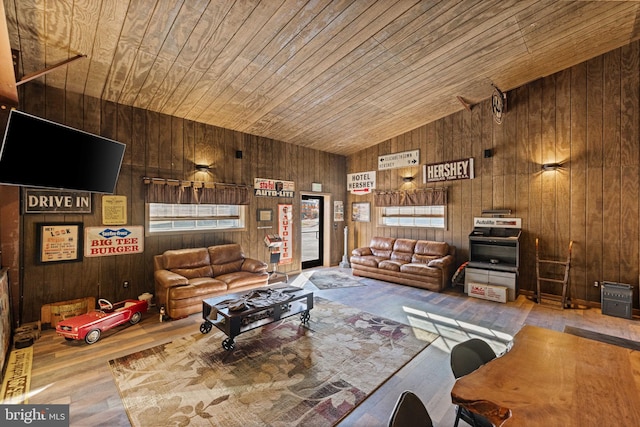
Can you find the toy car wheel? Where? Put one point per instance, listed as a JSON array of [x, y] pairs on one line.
[[135, 318], [93, 336]]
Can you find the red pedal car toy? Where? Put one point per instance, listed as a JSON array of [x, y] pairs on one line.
[[89, 326]]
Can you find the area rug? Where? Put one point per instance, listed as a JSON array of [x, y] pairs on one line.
[[283, 374], [330, 279], [609, 339]]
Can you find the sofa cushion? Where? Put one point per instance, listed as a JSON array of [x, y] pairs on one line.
[[240, 279], [427, 250], [428, 247], [226, 258], [421, 269], [423, 259], [390, 265], [185, 258], [192, 273], [368, 260], [382, 246], [403, 250], [223, 254], [197, 287]]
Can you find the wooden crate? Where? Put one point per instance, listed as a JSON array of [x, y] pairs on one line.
[[51, 314]]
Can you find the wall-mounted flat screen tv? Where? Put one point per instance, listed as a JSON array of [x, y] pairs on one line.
[[37, 152]]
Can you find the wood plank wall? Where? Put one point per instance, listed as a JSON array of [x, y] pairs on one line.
[[588, 118], [166, 147]]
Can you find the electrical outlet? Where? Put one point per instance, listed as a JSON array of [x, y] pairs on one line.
[[596, 284], [125, 284]]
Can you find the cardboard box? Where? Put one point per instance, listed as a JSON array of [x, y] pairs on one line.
[[488, 292]]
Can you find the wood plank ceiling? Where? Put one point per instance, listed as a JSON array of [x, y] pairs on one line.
[[334, 75]]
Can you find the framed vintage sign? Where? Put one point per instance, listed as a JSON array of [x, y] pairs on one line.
[[361, 212], [58, 242], [114, 210], [39, 200], [265, 214]]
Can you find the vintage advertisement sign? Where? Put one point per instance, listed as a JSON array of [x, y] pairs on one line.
[[361, 183], [448, 171], [273, 188], [56, 201], [338, 210], [399, 160], [114, 210], [285, 230], [59, 242], [104, 241], [497, 222]]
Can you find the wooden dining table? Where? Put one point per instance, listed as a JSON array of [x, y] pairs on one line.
[[551, 378]]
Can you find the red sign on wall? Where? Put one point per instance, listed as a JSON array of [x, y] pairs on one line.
[[104, 241], [285, 230]]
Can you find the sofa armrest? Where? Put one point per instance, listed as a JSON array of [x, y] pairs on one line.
[[362, 251], [169, 279], [442, 263], [254, 266]]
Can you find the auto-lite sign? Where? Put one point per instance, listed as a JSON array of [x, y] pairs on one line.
[[56, 201], [273, 188], [101, 241], [399, 160], [448, 171], [361, 183]]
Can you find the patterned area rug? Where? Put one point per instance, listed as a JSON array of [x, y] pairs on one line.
[[329, 279], [283, 374]]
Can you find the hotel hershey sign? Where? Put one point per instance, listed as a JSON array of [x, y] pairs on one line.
[[448, 171], [56, 201]]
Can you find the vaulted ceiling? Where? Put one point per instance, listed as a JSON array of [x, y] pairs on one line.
[[337, 76]]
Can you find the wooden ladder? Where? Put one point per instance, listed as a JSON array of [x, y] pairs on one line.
[[564, 280]]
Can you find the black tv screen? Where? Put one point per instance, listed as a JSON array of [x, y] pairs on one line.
[[40, 153]]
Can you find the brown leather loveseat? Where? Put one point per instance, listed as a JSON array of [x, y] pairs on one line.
[[184, 277], [421, 263]]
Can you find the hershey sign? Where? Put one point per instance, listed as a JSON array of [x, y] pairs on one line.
[[448, 171]]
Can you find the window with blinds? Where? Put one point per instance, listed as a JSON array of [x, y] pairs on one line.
[[168, 218], [413, 216]]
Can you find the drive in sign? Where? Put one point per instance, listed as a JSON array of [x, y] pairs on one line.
[[361, 183]]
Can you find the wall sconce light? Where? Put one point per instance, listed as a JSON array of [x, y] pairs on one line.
[[408, 179], [202, 167], [550, 166]]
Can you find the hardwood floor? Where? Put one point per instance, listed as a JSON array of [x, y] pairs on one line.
[[78, 374]]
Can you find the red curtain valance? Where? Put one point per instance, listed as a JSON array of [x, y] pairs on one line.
[[161, 190], [418, 197]]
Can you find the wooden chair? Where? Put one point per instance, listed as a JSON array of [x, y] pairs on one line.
[[410, 412], [561, 279]]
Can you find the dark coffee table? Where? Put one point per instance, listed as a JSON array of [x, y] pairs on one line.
[[235, 314]]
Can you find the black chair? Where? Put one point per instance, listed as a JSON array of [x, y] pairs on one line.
[[410, 412], [466, 357]]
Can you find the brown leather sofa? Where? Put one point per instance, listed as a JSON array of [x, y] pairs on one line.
[[185, 277], [421, 263]]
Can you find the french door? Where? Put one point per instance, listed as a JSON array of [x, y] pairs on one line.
[[312, 218]]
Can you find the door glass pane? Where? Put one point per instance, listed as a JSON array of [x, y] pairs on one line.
[[310, 214]]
